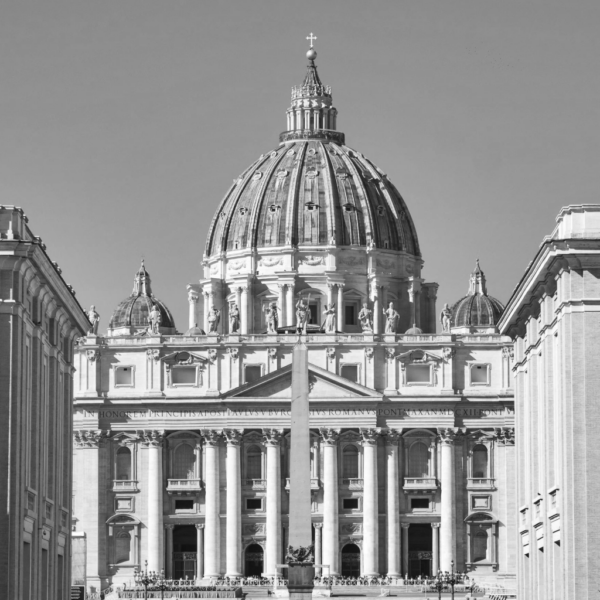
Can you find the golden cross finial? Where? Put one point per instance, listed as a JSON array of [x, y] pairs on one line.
[[311, 38]]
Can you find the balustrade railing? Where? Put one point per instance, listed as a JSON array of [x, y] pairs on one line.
[[420, 483], [256, 484], [124, 485], [353, 483], [184, 485]]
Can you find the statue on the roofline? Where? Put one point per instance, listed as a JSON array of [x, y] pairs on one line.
[[94, 319], [234, 319], [155, 319], [365, 316], [271, 312], [214, 316], [302, 315], [446, 318], [392, 317], [329, 312]]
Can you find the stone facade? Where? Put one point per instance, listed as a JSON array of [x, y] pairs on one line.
[[39, 323], [554, 319], [181, 441]]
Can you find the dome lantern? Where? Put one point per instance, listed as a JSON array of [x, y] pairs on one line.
[[312, 114]]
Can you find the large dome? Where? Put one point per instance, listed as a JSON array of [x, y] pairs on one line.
[[312, 192], [131, 314], [312, 189]]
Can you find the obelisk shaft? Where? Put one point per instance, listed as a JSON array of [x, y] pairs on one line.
[[300, 504], [300, 574]]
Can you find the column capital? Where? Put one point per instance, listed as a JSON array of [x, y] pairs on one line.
[[233, 436], [448, 435], [318, 525], [152, 437], [392, 436], [211, 437], [436, 525], [169, 526], [199, 526], [405, 525], [272, 437], [193, 297], [89, 438], [370, 435], [506, 436], [329, 436]]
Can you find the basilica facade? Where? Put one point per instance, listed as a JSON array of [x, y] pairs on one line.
[[181, 441]]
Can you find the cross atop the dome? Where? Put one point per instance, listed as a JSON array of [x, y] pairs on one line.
[[311, 38]]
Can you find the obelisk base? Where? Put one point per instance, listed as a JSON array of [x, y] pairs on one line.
[[301, 581]]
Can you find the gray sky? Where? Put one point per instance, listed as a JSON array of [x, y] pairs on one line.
[[124, 122]]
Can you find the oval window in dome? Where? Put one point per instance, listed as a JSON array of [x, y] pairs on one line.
[[257, 175], [311, 174]]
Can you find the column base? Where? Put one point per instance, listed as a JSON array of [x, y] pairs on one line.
[[371, 574], [233, 575]]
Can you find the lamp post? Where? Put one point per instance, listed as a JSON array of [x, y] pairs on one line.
[[153, 578], [446, 579]]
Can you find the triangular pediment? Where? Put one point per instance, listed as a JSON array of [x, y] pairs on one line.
[[322, 385]]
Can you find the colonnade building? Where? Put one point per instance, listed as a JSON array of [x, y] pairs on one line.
[[40, 319], [181, 439]]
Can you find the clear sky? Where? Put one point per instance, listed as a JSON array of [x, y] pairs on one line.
[[123, 122]]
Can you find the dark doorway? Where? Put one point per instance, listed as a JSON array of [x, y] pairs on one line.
[[254, 561], [351, 560], [419, 550], [184, 551]]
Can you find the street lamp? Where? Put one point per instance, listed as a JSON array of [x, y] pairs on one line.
[[443, 580], [152, 578]]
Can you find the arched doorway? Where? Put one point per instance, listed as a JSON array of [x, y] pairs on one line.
[[254, 561], [351, 560], [184, 552]]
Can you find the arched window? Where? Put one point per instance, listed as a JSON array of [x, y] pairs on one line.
[[254, 463], [123, 464], [350, 461], [184, 460], [418, 460], [480, 461], [122, 546], [480, 545]]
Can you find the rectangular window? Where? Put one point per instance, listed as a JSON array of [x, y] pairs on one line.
[[124, 376], [183, 506], [418, 374], [350, 503], [350, 372], [314, 314], [183, 375], [253, 503], [419, 503], [252, 373], [480, 374], [350, 314]]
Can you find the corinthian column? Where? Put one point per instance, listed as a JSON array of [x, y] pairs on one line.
[[290, 312], [272, 439], [281, 303], [154, 441], [234, 504], [340, 307], [212, 528], [446, 437], [318, 547], [393, 504], [370, 504], [331, 547], [193, 300]]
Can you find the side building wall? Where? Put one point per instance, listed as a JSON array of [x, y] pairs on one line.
[[39, 321]]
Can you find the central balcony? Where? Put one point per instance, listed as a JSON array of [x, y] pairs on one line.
[[124, 485], [314, 484], [420, 483], [352, 483], [256, 484], [480, 483], [183, 486]]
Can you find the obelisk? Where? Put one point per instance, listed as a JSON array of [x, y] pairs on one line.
[[299, 556]]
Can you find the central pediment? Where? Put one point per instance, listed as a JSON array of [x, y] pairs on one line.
[[322, 385]]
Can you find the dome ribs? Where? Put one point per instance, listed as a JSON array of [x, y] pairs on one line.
[[291, 231], [328, 177], [253, 233]]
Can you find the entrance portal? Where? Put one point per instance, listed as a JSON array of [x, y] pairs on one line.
[[351, 560], [254, 561], [419, 550], [184, 551]]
